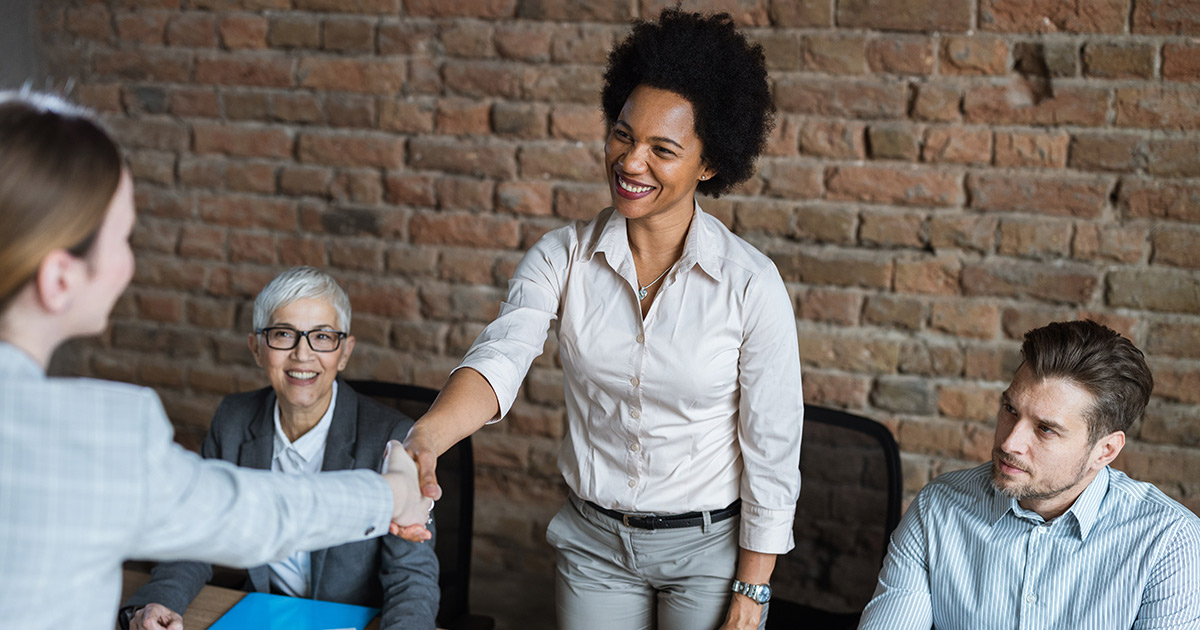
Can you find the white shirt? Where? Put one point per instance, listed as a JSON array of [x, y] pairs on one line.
[[687, 410], [293, 575]]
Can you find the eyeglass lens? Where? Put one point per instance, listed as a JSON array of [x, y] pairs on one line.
[[318, 340]]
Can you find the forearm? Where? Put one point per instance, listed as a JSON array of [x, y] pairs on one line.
[[465, 404], [753, 568]]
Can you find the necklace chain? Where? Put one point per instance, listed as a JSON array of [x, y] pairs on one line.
[[644, 291]]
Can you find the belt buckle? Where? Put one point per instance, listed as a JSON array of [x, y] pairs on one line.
[[625, 520]]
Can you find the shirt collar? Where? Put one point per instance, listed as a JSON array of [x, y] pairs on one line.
[[17, 363], [310, 444], [699, 247], [1085, 510]]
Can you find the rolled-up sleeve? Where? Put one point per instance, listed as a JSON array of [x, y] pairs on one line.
[[770, 415], [503, 352]]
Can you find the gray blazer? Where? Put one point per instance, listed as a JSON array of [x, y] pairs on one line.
[[397, 575]]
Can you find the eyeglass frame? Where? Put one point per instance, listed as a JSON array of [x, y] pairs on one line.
[[302, 333]]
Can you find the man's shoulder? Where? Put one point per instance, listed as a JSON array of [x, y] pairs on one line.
[[1140, 498]]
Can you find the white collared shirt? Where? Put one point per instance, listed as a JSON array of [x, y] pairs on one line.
[[293, 575], [695, 406]]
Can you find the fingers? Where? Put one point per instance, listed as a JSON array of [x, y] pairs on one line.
[[156, 617], [426, 471], [412, 533]]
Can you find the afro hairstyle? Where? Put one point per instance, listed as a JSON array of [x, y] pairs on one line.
[[704, 59]]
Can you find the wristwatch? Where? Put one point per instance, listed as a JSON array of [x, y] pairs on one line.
[[760, 593]]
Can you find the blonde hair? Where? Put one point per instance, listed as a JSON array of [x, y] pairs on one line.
[[58, 173]]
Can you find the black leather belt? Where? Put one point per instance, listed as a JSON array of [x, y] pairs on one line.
[[671, 521]]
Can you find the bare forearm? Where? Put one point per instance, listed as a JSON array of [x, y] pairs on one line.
[[465, 404], [753, 568]]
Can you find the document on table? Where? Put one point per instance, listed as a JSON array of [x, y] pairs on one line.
[[262, 611]]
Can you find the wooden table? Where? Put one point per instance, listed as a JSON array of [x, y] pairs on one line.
[[207, 608]]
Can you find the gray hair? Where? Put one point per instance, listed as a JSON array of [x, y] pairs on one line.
[[299, 283]]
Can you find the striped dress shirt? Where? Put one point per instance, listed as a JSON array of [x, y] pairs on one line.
[[967, 557]]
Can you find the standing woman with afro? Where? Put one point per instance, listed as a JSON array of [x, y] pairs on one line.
[[678, 345]]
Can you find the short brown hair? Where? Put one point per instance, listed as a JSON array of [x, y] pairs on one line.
[[58, 173], [1102, 362]]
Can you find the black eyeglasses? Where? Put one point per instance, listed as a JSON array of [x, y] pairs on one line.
[[286, 338]]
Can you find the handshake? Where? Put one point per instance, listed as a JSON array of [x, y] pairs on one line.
[[411, 511]]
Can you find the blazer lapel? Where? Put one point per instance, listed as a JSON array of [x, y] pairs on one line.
[[257, 452], [339, 455]]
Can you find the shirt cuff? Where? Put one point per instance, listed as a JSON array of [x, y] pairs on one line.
[[767, 531]]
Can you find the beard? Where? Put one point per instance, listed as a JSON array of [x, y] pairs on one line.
[[1033, 488]]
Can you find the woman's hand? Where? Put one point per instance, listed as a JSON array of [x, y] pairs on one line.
[[155, 617]]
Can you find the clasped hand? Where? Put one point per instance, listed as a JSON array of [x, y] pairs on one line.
[[411, 513]]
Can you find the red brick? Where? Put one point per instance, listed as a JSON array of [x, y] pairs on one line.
[[234, 5], [846, 351], [130, 65], [1076, 197], [304, 180], [833, 139], [992, 363], [387, 297], [843, 269], [463, 229], [248, 212], [1012, 104], [466, 266], [349, 35], [294, 31], [894, 312], [1107, 152], [352, 75], [829, 305], [297, 108], [900, 55], [1145, 198], [192, 30], [359, 187], [242, 140], [172, 205], [1031, 149], [800, 14], [957, 145], [1119, 61], [1032, 16], [487, 9], [142, 27], [1017, 321], [462, 117], [458, 303], [102, 98], [904, 394], [255, 70], [853, 99], [524, 197], [299, 250], [584, 44], [892, 229], [790, 180], [380, 7], [155, 236], [243, 31], [210, 313], [346, 110], [965, 319], [161, 134], [345, 149], [935, 358], [573, 162], [846, 391], [1035, 239], [835, 54], [974, 55], [784, 139], [1166, 17], [940, 103], [580, 202], [465, 157], [523, 41], [407, 38], [1158, 108], [930, 276], [247, 105], [357, 255], [764, 216], [252, 247], [1068, 283], [89, 22], [783, 50], [203, 242], [576, 122], [152, 166], [1176, 247], [969, 232], [892, 142], [465, 193], [406, 116], [1173, 339], [826, 225], [1181, 62], [410, 189], [483, 79], [894, 185], [1173, 425], [1121, 243], [968, 402], [1175, 381], [202, 172], [1173, 158], [251, 177], [952, 16], [468, 39]]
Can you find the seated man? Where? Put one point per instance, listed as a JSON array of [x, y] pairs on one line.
[[1047, 535], [306, 421]]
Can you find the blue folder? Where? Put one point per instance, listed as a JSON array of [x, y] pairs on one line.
[[262, 611]]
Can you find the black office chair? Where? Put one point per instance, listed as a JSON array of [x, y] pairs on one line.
[[455, 512], [849, 504]]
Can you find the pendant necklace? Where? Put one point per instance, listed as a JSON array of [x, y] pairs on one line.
[[642, 292]]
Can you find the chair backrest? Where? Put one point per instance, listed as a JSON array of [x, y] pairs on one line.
[[455, 512], [849, 504]]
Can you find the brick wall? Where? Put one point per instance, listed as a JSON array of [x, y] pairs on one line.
[[945, 174]]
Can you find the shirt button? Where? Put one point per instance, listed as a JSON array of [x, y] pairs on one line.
[[632, 483], [635, 447], [635, 414], [369, 530], [634, 381], [641, 338], [1031, 598]]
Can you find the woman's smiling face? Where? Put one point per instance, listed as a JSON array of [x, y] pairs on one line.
[[302, 378], [653, 155]]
